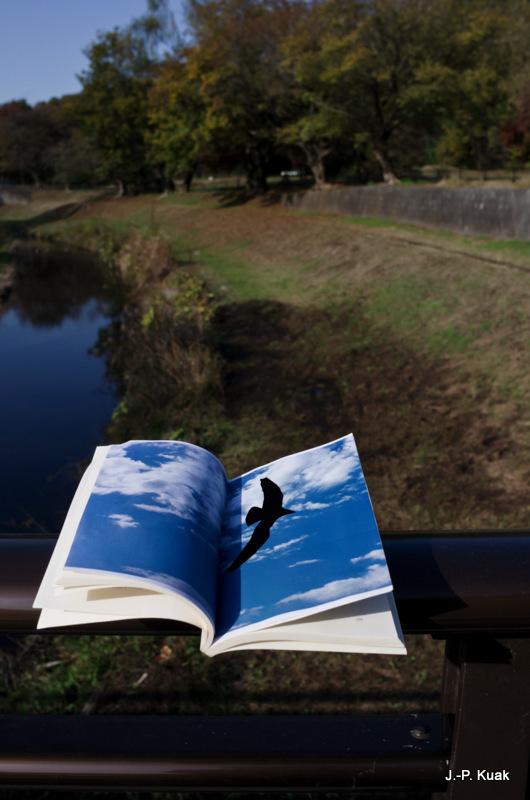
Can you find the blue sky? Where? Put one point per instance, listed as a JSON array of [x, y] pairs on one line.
[[41, 42], [328, 551]]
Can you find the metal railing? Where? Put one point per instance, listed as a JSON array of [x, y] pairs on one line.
[[471, 588]]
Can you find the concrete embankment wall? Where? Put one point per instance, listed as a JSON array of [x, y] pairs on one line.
[[500, 213]]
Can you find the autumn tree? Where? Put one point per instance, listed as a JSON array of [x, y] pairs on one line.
[[387, 68], [236, 61], [475, 91], [515, 132], [179, 138], [26, 135], [312, 126], [10, 117], [364, 67]]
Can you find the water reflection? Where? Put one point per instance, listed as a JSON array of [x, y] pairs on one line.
[[55, 400]]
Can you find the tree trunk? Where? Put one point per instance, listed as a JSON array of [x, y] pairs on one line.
[[184, 184], [315, 154], [381, 154], [255, 169]]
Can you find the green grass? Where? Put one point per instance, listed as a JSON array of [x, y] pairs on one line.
[[505, 245], [379, 356], [372, 222], [414, 308], [64, 673], [369, 222]]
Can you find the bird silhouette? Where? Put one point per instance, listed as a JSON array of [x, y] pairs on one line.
[[271, 511]]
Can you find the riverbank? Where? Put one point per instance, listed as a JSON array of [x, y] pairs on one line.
[[415, 340], [7, 280]]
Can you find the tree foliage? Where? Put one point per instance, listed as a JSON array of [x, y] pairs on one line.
[[351, 82], [179, 139], [237, 63]]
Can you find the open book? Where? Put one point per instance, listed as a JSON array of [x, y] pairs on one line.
[[286, 556]]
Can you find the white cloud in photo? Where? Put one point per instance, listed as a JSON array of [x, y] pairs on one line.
[[278, 550], [375, 578], [156, 509], [303, 563], [123, 520], [183, 480], [305, 475], [373, 555], [310, 506], [288, 545], [250, 611]]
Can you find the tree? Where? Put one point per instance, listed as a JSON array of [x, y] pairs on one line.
[[10, 115], [475, 96], [179, 139], [26, 134], [515, 133], [388, 67], [363, 66], [311, 125], [113, 106], [236, 60]]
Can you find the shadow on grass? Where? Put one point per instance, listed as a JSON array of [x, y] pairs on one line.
[[6, 259], [18, 229], [297, 377], [231, 198]]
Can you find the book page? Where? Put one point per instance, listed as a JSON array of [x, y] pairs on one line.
[[299, 536], [367, 626], [154, 516]]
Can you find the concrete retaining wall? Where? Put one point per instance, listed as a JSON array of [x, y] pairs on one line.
[[499, 213]]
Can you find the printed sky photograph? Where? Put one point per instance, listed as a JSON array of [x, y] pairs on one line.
[[154, 514], [327, 551]]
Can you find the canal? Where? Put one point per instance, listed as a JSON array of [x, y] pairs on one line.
[[55, 398]]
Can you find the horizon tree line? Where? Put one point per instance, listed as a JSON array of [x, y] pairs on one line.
[[355, 90]]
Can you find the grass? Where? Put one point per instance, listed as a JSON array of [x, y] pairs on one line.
[[68, 673], [512, 246], [407, 337]]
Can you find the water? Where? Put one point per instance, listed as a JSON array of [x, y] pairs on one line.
[[55, 400]]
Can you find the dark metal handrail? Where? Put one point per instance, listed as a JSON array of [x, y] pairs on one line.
[[228, 753], [471, 588], [445, 582]]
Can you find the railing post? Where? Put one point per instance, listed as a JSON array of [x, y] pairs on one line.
[[486, 691]]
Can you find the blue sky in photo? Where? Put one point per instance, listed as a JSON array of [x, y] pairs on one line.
[[155, 513], [164, 512], [42, 42], [328, 551]]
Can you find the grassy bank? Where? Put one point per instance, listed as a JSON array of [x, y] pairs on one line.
[[416, 341]]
